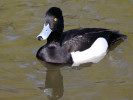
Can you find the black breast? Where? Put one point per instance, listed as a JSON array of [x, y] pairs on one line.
[[54, 53]]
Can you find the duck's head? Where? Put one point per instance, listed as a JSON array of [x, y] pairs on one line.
[[53, 23]]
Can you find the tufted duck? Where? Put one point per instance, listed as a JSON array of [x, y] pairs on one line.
[[74, 46]]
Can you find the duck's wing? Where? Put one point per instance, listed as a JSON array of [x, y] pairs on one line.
[[79, 43], [79, 40]]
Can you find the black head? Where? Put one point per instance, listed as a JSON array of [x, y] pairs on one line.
[[53, 23], [54, 18]]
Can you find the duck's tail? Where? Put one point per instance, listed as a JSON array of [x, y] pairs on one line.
[[116, 36]]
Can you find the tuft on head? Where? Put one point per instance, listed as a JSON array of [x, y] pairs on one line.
[[54, 11]]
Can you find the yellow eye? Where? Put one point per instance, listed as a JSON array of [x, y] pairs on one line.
[[55, 19]]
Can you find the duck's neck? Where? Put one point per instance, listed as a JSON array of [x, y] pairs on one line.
[[54, 37]]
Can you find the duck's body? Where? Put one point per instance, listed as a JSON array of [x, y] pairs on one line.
[[74, 46]]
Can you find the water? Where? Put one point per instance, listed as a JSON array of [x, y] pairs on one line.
[[23, 77]]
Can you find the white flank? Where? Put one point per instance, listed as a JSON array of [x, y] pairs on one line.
[[45, 32], [94, 54]]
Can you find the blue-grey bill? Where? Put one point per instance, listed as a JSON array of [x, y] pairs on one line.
[[45, 32]]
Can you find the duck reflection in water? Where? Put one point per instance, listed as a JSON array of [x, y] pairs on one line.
[[54, 82]]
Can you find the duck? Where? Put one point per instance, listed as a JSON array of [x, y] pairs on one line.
[[75, 46]]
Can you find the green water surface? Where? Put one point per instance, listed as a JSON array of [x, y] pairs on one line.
[[23, 77]]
